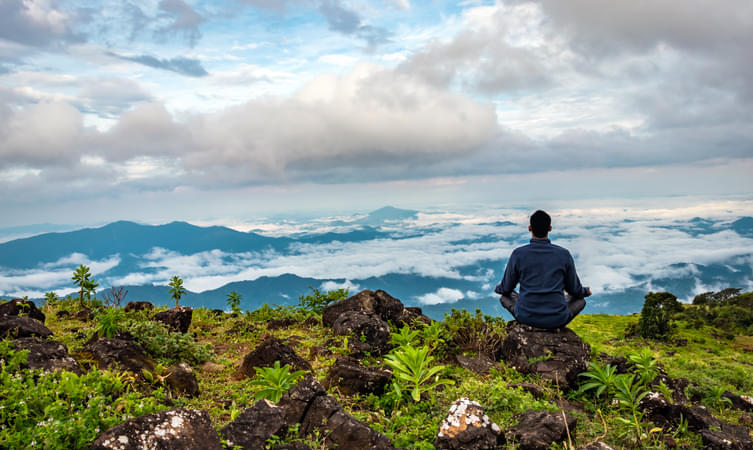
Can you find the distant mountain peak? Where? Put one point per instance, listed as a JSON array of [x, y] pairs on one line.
[[389, 213]]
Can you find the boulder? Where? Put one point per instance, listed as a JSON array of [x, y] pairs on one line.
[[480, 365], [367, 332], [467, 427], [174, 429], [699, 418], [177, 319], [598, 445], [21, 326], [558, 355], [182, 380], [46, 354], [118, 353], [83, 315], [659, 411], [388, 308], [537, 430], [265, 355], [721, 440], [138, 306], [308, 404], [311, 321], [352, 377], [255, 425], [742, 402], [413, 314], [285, 322], [19, 307]]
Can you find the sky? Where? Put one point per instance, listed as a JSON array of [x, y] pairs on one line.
[[225, 110]]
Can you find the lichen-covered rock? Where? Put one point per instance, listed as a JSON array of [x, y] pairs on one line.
[[182, 380], [413, 314], [265, 355], [138, 306], [388, 308], [480, 365], [21, 327], [352, 377], [726, 439], [178, 429], [742, 402], [19, 307], [537, 430], [367, 332], [255, 425], [118, 353], [558, 355], [46, 354], [467, 427], [177, 319], [596, 446]]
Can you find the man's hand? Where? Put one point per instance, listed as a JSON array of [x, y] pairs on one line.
[[588, 294]]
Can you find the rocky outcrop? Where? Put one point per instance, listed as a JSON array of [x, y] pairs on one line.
[[265, 355], [182, 380], [388, 308], [742, 402], [285, 322], [175, 429], [413, 314], [367, 332], [537, 430], [177, 319], [308, 404], [352, 377], [19, 307], [118, 353], [21, 327], [558, 355], [480, 365], [255, 425], [46, 354], [467, 427], [138, 306]]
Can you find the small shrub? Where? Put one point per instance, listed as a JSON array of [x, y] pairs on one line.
[[170, 346], [176, 289], [478, 333], [412, 371], [656, 315], [111, 321], [275, 381], [318, 300]]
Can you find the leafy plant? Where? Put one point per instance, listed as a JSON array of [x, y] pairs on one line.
[[110, 322], [432, 335], [87, 286], [51, 298], [645, 366], [412, 371], [234, 301], [477, 333], [318, 300], [176, 289], [656, 315], [715, 398], [603, 379], [628, 395], [405, 336], [275, 381], [171, 346]]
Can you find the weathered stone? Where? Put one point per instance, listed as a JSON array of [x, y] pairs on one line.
[[83, 315], [20, 327], [138, 306], [699, 418], [311, 321], [176, 429], [388, 308], [719, 440], [413, 314], [292, 446], [367, 332], [47, 355], [467, 427], [558, 355], [118, 353], [658, 410], [596, 446], [308, 404], [738, 434], [285, 322], [177, 319], [477, 364], [182, 380], [255, 425], [212, 367], [742, 402], [537, 430], [352, 377], [533, 389], [19, 307], [265, 355]]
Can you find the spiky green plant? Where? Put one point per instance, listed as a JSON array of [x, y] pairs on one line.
[[645, 366], [602, 379], [405, 336], [275, 381], [412, 371]]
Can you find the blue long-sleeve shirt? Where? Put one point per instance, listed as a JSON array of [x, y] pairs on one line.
[[543, 270]]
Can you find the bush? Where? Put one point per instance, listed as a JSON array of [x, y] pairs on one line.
[[480, 334], [656, 315], [318, 300], [169, 346]]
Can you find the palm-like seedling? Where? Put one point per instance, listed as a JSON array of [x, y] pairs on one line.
[[412, 371], [176, 289], [275, 381], [602, 379], [234, 301], [81, 278], [645, 366]]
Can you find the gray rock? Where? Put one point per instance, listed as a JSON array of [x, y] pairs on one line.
[[352, 377], [118, 353], [480, 365], [742, 402], [367, 332], [388, 308], [21, 327], [182, 380], [138, 306], [177, 319], [265, 355], [21, 307], [178, 429], [48, 355], [537, 430], [255, 425], [558, 355]]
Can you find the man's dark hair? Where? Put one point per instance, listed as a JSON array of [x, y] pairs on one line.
[[540, 223]]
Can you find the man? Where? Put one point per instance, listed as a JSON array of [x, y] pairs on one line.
[[544, 271]]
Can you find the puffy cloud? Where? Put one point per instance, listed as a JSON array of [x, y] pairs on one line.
[[443, 295], [38, 23], [184, 20]]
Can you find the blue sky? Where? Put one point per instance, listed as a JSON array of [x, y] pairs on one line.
[[208, 110]]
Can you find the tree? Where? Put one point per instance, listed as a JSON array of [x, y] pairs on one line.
[[234, 301], [176, 289], [656, 315], [87, 286], [51, 298]]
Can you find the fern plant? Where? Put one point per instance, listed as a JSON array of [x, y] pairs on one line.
[[404, 337], [412, 371], [715, 398], [603, 379], [645, 366], [275, 381]]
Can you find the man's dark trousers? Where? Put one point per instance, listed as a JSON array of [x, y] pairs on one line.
[[575, 305]]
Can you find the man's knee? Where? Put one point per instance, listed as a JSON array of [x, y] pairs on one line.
[[509, 302]]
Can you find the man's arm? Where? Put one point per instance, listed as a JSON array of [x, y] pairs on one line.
[[510, 278], [572, 282]]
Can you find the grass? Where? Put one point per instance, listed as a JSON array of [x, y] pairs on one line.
[[706, 360]]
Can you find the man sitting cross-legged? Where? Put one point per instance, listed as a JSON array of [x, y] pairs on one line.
[[550, 292]]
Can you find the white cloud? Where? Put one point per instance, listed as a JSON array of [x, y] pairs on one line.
[[443, 295], [347, 284]]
